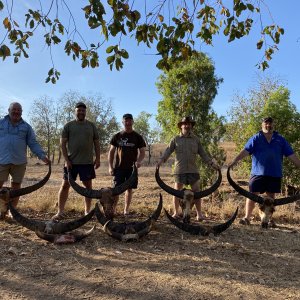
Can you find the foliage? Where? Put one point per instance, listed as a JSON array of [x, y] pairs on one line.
[[47, 118], [173, 27], [99, 111], [2, 114], [270, 98], [142, 126], [189, 89], [246, 112]]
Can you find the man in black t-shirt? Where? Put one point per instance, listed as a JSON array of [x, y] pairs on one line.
[[130, 147]]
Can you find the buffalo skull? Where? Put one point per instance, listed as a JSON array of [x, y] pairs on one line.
[[6, 194], [266, 204], [105, 195], [128, 231], [186, 196]]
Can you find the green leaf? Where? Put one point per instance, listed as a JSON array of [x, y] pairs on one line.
[[110, 49], [56, 39], [84, 63], [93, 63], [110, 59], [31, 24], [1, 5], [124, 54], [7, 24], [259, 44], [5, 51]]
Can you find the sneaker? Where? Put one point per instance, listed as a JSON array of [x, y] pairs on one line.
[[244, 221]]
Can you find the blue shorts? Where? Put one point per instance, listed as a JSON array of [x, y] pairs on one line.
[[121, 176], [262, 184], [86, 172]]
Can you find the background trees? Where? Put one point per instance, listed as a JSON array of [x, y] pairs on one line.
[[47, 117], [269, 98], [150, 134], [99, 111], [189, 89]]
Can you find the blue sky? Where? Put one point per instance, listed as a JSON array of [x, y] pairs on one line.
[[133, 88]]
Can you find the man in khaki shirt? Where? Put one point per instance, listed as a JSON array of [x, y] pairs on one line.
[[186, 146]]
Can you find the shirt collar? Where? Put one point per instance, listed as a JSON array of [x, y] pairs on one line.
[[7, 118], [189, 135]]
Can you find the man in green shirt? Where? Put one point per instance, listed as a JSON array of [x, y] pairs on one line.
[[78, 140]]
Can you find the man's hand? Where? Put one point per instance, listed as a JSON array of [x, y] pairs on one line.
[[97, 163]]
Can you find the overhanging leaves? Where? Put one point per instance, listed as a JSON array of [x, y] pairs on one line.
[[173, 33]]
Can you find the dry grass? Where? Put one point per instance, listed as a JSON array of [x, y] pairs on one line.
[[220, 205], [243, 263]]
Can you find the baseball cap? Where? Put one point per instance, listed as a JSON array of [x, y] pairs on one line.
[[128, 116], [80, 104]]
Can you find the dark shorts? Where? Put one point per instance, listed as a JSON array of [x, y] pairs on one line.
[[262, 184], [121, 176], [186, 178], [86, 172]]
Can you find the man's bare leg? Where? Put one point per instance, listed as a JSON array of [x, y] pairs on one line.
[[128, 198]]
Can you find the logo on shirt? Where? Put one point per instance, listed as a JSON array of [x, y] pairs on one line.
[[124, 143]]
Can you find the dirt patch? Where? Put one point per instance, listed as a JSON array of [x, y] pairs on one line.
[[245, 262]]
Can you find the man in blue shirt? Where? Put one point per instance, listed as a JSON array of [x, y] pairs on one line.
[[15, 136], [267, 148]]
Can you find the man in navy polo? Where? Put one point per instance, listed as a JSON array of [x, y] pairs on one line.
[[267, 148]]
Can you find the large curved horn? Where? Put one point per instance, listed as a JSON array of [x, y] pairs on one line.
[[258, 199], [119, 236], [128, 231], [100, 216], [165, 187], [127, 184], [218, 229], [286, 200], [210, 190], [32, 188], [97, 194], [202, 230], [68, 238], [243, 192], [180, 193], [51, 226], [143, 228]]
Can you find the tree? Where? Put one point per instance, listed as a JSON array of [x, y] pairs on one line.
[[189, 89], [142, 126], [2, 114], [173, 27], [45, 118], [269, 98], [99, 111]]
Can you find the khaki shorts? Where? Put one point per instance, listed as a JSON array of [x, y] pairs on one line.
[[16, 172], [187, 178]]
